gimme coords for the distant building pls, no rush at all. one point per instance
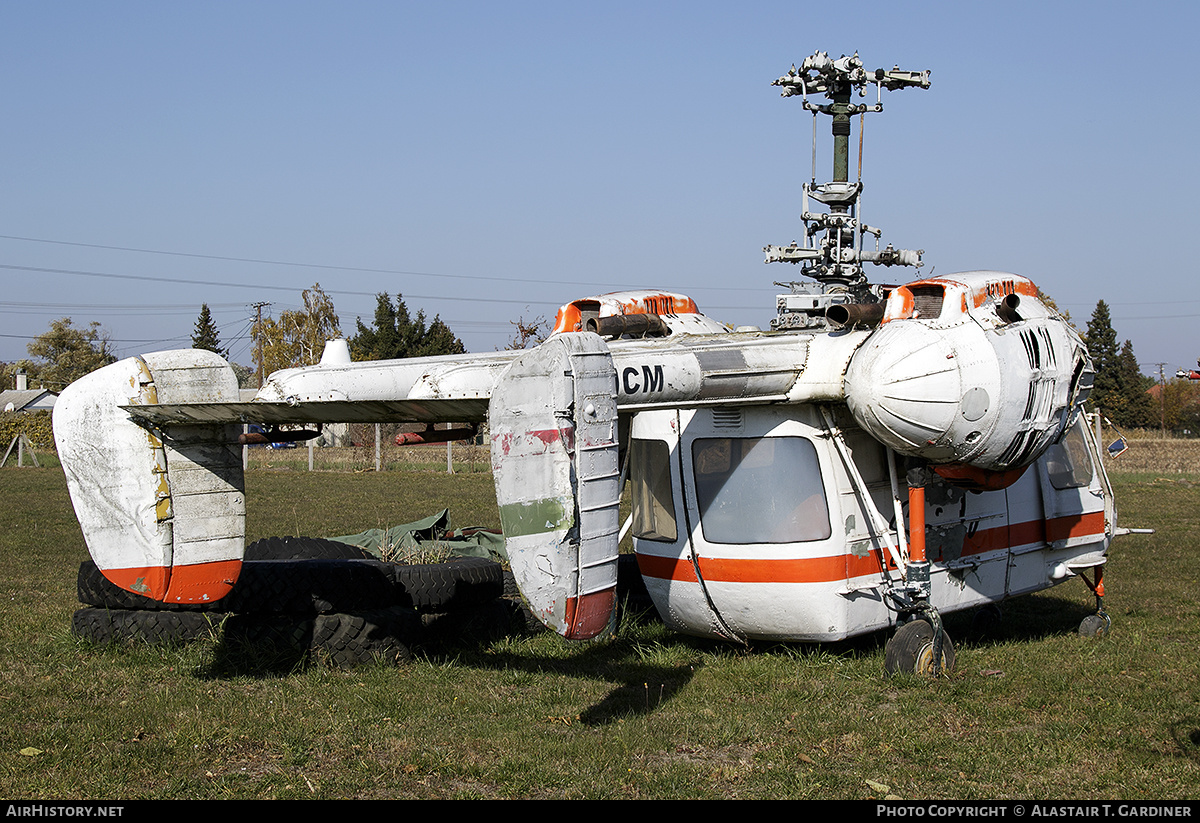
(25, 399)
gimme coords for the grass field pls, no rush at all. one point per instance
(1032, 711)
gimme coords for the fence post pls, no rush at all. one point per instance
(20, 442)
(376, 447)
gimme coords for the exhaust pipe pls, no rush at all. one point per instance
(846, 315)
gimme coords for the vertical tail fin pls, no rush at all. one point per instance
(162, 510)
(554, 456)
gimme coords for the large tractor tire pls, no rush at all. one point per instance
(456, 585)
(344, 639)
(304, 548)
(132, 625)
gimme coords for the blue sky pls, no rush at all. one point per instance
(495, 160)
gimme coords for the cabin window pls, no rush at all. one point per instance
(653, 499)
(759, 490)
(1068, 462)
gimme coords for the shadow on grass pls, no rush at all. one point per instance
(478, 639)
(641, 686)
(1027, 618)
(1186, 734)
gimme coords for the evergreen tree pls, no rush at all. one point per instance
(205, 335)
(1138, 408)
(1120, 389)
(395, 334)
(1101, 341)
(438, 339)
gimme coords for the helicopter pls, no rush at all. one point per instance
(880, 456)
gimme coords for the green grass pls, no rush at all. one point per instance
(1033, 710)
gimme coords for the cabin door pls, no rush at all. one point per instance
(1074, 491)
(661, 527)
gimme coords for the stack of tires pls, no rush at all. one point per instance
(306, 598)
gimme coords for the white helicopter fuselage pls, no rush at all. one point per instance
(767, 468)
(752, 523)
(881, 456)
(786, 520)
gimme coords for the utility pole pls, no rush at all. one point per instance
(1162, 400)
(258, 307)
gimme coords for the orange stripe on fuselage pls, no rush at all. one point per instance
(1075, 525)
(847, 566)
(666, 568)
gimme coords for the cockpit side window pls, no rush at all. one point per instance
(653, 500)
(759, 490)
(1068, 462)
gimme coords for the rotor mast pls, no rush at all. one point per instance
(832, 252)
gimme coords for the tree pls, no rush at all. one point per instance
(1137, 407)
(1101, 341)
(1119, 388)
(395, 334)
(298, 337)
(528, 331)
(65, 353)
(205, 335)
(1050, 304)
(1180, 405)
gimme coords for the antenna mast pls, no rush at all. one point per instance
(836, 257)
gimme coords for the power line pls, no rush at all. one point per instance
(291, 289)
(256, 286)
(327, 267)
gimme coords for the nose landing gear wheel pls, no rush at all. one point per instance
(911, 651)
(1094, 625)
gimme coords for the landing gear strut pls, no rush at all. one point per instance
(920, 646)
(1098, 624)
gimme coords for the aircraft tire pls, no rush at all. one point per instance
(1094, 625)
(304, 586)
(910, 651)
(480, 626)
(344, 639)
(128, 625)
(986, 620)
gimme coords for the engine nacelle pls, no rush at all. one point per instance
(970, 368)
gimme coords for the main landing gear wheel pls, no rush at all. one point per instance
(910, 651)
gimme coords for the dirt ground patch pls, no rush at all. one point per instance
(1171, 456)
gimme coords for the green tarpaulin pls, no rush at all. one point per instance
(428, 539)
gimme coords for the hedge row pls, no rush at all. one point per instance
(34, 425)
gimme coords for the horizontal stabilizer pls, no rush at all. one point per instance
(314, 411)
